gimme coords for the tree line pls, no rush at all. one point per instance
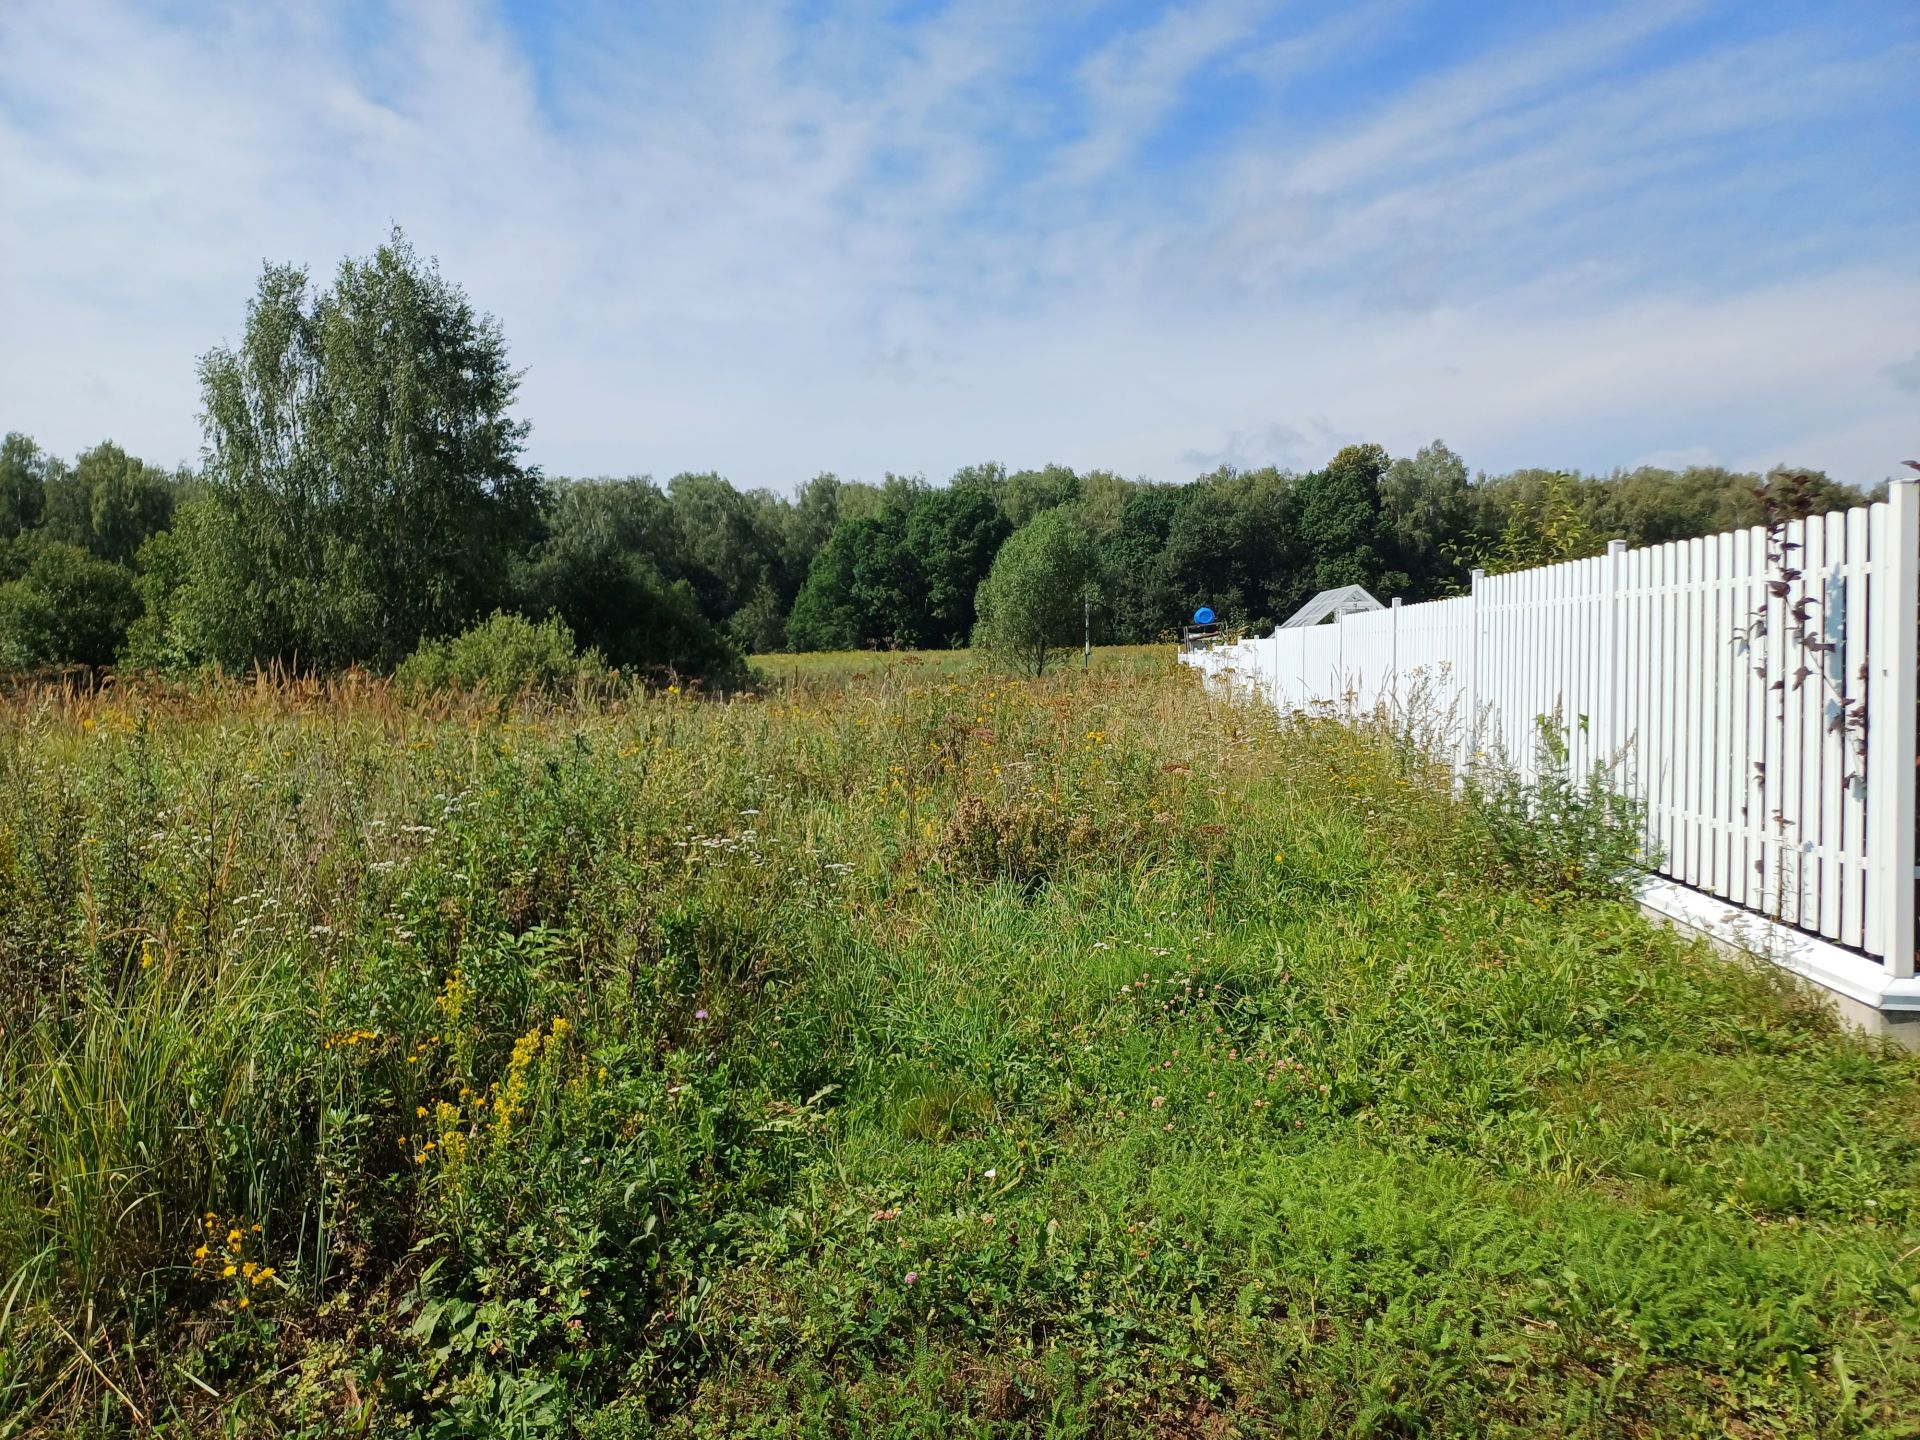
(363, 490)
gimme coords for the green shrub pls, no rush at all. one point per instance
(1557, 831)
(61, 606)
(503, 655)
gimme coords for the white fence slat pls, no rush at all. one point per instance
(1660, 679)
(1714, 667)
(1846, 845)
(1674, 740)
(1665, 720)
(1596, 611)
(1782, 798)
(1753, 801)
(1853, 804)
(1875, 941)
(1830, 771)
(1687, 710)
(1797, 832)
(1695, 665)
(1739, 717)
(1709, 820)
(1739, 682)
(1639, 669)
(1680, 701)
(1639, 724)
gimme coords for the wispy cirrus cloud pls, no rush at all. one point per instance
(1131, 84)
(774, 240)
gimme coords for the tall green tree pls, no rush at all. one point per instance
(1340, 521)
(23, 484)
(952, 537)
(1424, 504)
(1141, 594)
(730, 542)
(1025, 493)
(1235, 545)
(1650, 506)
(116, 501)
(864, 588)
(598, 569)
(990, 476)
(363, 465)
(1102, 498)
(825, 614)
(1547, 522)
(1033, 603)
(162, 636)
(883, 590)
(809, 522)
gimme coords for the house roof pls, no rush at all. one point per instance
(1331, 604)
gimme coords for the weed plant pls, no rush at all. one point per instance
(914, 1053)
(1557, 830)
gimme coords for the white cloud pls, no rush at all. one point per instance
(1679, 459)
(729, 241)
(1429, 120)
(1133, 81)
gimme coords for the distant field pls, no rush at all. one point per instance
(839, 667)
(901, 1050)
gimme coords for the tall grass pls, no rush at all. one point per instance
(904, 1050)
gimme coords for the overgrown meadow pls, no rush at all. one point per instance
(901, 1051)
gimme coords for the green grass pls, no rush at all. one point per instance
(839, 668)
(903, 1051)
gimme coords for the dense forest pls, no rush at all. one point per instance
(363, 490)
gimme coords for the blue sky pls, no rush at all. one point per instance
(773, 240)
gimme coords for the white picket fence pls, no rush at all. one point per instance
(1780, 801)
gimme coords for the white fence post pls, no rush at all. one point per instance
(1393, 658)
(1606, 724)
(1891, 737)
(1343, 692)
(1473, 666)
